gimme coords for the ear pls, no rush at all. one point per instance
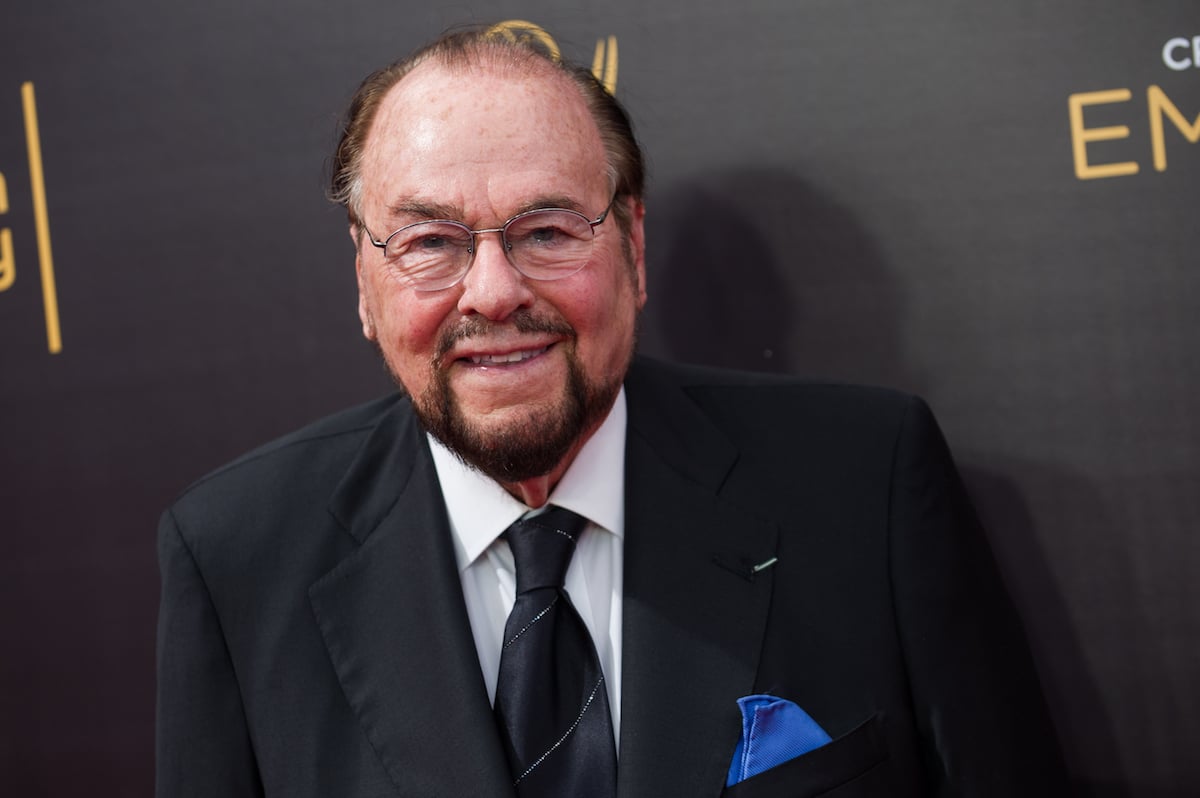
(637, 246)
(364, 304)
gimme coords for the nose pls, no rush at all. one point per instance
(492, 287)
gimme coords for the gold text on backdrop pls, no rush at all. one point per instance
(1158, 105)
(8, 270)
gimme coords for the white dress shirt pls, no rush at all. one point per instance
(480, 510)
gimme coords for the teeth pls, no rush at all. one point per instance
(511, 357)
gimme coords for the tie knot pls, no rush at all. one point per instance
(542, 547)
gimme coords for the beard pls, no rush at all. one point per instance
(535, 444)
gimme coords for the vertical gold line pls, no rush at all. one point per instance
(610, 66)
(598, 61)
(37, 180)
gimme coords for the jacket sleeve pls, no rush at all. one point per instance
(203, 747)
(979, 706)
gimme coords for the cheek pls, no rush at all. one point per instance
(606, 316)
(408, 324)
(417, 334)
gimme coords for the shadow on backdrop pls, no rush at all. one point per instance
(758, 270)
(1085, 727)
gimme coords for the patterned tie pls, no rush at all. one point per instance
(551, 699)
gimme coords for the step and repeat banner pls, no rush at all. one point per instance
(993, 204)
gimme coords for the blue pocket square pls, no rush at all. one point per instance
(774, 730)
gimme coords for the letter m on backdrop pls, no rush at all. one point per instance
(1160, 105)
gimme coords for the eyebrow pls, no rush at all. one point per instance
(550, 201)
(425, 209)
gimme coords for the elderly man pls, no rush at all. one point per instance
(549, 569)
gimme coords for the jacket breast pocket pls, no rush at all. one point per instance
(847, 767)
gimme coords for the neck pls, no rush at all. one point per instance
(535, 492)
(532, 492)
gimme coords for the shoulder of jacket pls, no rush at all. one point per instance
(706, 380)
(340, 433)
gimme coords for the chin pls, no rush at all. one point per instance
(519, 442)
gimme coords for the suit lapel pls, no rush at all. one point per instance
(694, 611)
(394, 622)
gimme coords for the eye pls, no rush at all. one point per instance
(548, 230)
(430, 242)
(545, 235)
(428, 239)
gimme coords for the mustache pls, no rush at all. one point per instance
(477, 326)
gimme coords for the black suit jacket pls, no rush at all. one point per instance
(313, 637)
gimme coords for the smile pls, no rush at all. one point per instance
(510, 357)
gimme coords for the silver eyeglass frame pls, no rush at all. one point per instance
(503, 231)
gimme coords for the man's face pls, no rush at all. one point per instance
(510, 372)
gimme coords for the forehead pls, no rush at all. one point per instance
(480, 135)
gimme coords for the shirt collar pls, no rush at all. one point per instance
(593, 486)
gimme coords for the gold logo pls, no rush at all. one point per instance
(37, 180)
(604, 59)
(515, 30)
(604, 63)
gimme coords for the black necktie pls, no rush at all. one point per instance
(551, 699)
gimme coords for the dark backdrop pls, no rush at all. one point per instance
(873, 191)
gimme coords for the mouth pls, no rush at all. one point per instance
(506, 358)
(476, 342)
